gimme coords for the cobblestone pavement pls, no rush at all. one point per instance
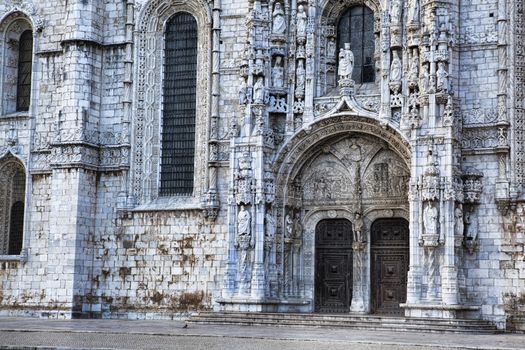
(21, 333)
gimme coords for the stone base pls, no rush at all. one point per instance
(516, 324)
(440, 311)
(240, 304)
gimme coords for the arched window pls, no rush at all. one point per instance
(12, 200)
(179, 106)
(16, 57)
(356, 26)
(25, 62)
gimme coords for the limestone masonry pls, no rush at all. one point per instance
(160, 157)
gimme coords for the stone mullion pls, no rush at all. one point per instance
(127, 104)
(211, 202)
(502, 183)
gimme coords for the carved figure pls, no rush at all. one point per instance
(358, 227)
(425, 80)
(243, 227)
(442, 77)
(298, 227)
(279, 21)
(301, 21)
(413, 70)
(258, 90)
(395, 12)
(471, 223)
(413, 11)
(395, 68)
(300, 73)
(269, 232)
(458, 220)
(288, 227)
(430, 219)
(242, 91)
(330, 49)
(346, 62)
(278, 73)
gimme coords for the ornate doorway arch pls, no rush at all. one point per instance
(343, 167)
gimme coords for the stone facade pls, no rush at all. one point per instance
(285, 138)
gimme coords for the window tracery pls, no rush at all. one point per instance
(12, 199)
(17, 63)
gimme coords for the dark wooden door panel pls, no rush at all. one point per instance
(333, 282)
(389, 265)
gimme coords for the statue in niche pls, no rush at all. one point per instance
(520, 218)
(413, 11)
(395, 12)
(288, 227)
(396, 68)
(258, 91)
(244, 241)
(346, 62)
(243, 227)
(278, 73)
(269, 235)
(358, 227)
(279, 21)
(300, 73)
(458, 221)
(430, 219)
(425, 80)
(269, 232)
(298, 227)
(442, 77)
(471, 227)
(243, 97)
(413, 70)
(330, 49)
(301, 21)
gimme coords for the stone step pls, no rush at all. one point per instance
(372, 322)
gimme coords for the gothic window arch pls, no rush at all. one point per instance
(16, 48)
(179, 102)
(356, 27)
(165, 136)
(12, 203)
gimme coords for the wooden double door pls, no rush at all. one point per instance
(390, 261)
(333, 268)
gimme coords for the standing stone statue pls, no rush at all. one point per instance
(300, 73)
(279, 21)
(243, 98)
(442, 77)
(244, 243)
(346, 62)
(425, 80)
(278, 73)
(358, 227)
(258, 91)
(396, 68)
(288, 227)
(413, 70)
(301, 21)
(413, 11)
(395, 12)
(244, 228)
(330, 49)
(298, 227)
(458, 221)
(430, 219)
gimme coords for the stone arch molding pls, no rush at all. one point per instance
(331, 10)
(343, 119)
(24, 8)
(146, 124)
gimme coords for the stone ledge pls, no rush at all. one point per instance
(438, 310)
